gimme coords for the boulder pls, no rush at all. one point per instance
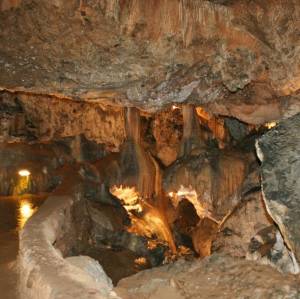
(217, 276)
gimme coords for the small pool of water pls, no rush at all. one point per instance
(14, 212)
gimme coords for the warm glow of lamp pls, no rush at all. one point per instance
(23, 182)
(24, 172)
(26, 210)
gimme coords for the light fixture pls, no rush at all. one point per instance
(24, 173)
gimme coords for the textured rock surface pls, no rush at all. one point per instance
(214, 277)
(268, 248)
(215, 175)
(242, 226)
(92, 268)
(151, 53)
(279, 151)
(45, 118)
(167, 130)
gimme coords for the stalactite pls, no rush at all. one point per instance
(141, 178)
(135, 160)
(190, 130)
(133, 125)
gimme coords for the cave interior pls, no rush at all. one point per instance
(175, 126)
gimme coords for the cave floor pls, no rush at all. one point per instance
(8, 264)
(14, 212)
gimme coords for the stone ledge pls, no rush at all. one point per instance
(44, 273)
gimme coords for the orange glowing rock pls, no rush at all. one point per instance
(270, 125)
(141, 261)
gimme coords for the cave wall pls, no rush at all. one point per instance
(54, 117)
(46, 118)
(9, 4)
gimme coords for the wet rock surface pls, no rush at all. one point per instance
(279, 151)
(226, 180)
(99, 230)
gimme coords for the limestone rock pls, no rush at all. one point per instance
(45, 118)
(167, 131)
(279, 151)
(245, 222)
(268, 247)
(216, 177)
(217, 276)
(54, 118)
(92, 268)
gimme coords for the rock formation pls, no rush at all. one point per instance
(279, 152)
(216, 277)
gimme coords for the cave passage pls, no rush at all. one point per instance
(149, 149)
(148, 208)
(182, 184)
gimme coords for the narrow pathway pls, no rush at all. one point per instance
(14, 212)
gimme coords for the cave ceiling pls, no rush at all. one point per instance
(236, 58)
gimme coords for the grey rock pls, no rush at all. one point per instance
(279, 151)
(217, 276)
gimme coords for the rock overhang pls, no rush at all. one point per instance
(150, 54)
